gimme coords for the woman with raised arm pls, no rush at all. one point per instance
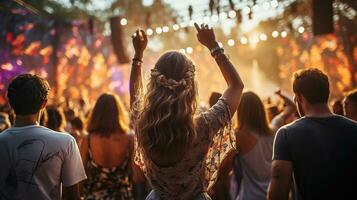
(174, 144)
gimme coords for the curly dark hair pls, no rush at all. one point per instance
(313, 84)
(26, 93)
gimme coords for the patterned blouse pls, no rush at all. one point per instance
(197, 170)
(107, 183)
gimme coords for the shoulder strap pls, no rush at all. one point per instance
(237, 170)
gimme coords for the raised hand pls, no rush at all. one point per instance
(278, 92)
(205, 36)
(140, 41)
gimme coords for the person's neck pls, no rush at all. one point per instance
(318, 110)
(26, 120)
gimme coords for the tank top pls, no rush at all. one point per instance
(256, 169)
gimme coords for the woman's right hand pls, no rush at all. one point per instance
(205, 36)
(140, 41)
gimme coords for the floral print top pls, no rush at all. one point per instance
(197, 170)
(107, 183)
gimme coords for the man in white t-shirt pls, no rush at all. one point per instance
(35, 162)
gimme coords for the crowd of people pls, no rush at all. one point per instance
(166, 146)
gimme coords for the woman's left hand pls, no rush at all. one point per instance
(140, 42)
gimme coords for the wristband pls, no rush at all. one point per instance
(137, 61)
(216, 51)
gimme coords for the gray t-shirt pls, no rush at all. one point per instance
(35, 161)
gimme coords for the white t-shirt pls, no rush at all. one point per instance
(35, 161)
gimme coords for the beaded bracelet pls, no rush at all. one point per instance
(137, 61)
(215, 49)
(217, 53)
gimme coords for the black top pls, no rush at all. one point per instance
(323, 152)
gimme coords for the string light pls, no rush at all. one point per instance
(183, 25)
(123, 21)
(275, 34)
(255, 8)
(230, 42)
(165, 29)
(244, 40)
(253, 40)
(176, 27)
(220, 44)
(232, 14)
(206, 19)
(284, 34)
(158, 30)
(246, 10)
(223, 16)
(263, 37)
(301, 29)
(149, 31)
(189, 50)
(274, 3)
(214, 18)
(182, 51)
(266, 5)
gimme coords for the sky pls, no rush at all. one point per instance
(265, 9)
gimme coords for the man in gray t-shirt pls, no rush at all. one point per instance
(35, 161)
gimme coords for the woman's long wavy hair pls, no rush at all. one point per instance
(165, 125)
(108, 116)
(252, 115)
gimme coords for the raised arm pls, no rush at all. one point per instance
(235, 85)
(289, 109)
(140, 41)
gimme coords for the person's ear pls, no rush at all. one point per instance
(44, 104)
(299, 98)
